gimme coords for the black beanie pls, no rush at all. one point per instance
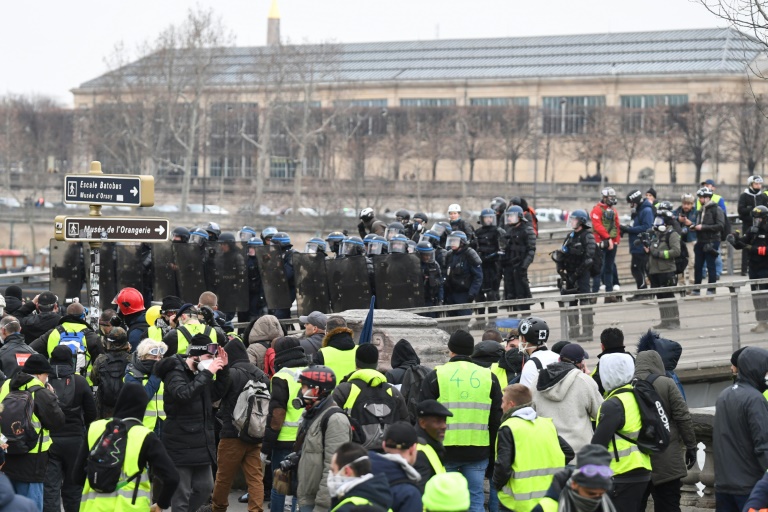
(461, 343)
(367, 356)
(61, 355)
(285, 343)
(735, 357)
(13, 291)
(131, 401)
(197, 345)
(651, 191)
(593, 455)
(557, 347)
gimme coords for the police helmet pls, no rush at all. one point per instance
(411, 246)
(487, 213)
(282, 239)
(315, 245)
(456, 240)
(227, 237)
(246, 233)
(443, 227)
(398, 244)
(267, 233)
(498, 204)
(578, 218)
(760, 212)
(352, 246)
(367, 239)
(181, 233)
(515, 214)
(335, 236)
(255, 241)
(376, 245)
(394, 228)
(403, 215)
(198, 236)
(534, 330)
(213, 230)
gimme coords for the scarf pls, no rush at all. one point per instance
(293, 357)
(571, 501)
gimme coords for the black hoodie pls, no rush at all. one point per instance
(375, 490)
(132, 403)
(241, 370)
(82, 410)
(403, 357)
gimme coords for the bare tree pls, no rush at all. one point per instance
(433, 126)
(594, 142)
(627, 136)
(749, 129)
(699, 125)
(665, 139)
(397, 146)
(515, 137)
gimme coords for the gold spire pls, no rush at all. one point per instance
(274, 12)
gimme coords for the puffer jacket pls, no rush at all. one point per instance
(260, 336)
(403, 357)
(712, 220)
(748, 200)
(339, 338)
(670, 464)
(313, 487)
(664, 249)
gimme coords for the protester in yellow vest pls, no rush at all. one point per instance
(25, 466)
(143, 450)
(73, 323)
(152, 316)
(620, 414)
(351, 483)
(185, 325)
(430, 460)
(584, 489)
(473, 395)
(338, 350)
(446, 492)
(139, 370)
(528, 452)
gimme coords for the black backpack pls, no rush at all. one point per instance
(411, 389)
(654, 436)
(65, 392)
(111, 372)
(16, 421)
(356, 430)
(681, 262)
(105, 461)
(373, 410)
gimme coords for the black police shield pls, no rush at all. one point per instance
(311, 283)
(189, 260)
(107, 274)
(67, 263)
(348, 283)
(130, 266)
(165, 280)
(272, 270)
(398, 281)
(231, 277)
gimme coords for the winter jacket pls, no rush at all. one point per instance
(687, 234)
(520, 243)
(758, 498)
(754, 241)
(260, 336)
(12, 304)
(313, 343)
(664, 249)
(643, 222)
(748, 200)
(560, 482)
(571, 398)
(373, 488)
(136, 326)
(13, 351)
(403, 481)
(79, 413)
(712, 220)
(603, 218)
(403, 357)
(34, 323)
(422, 465)
(339, 338)
(188, 402)
(313, 488)
(93, 344)
(741, 426)
(12, 502)
(670, 464)
(373, 388)
(464, 272)
(241, 371)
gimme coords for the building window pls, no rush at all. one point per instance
(650, 113)
(428, 102)
(361, 103)
(569, 115)
(499, 102)
(282, 167)
(230, 154)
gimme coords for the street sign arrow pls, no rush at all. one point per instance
(110, 229)
(109, 189)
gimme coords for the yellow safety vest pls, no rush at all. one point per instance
(155, 407)
(155, 333)
(55, 337)
(122, 500)
(290, 428)
(537, 458)
(715, 199)
(193, 329)
(44, 437)
(342, 362)
(629, 455)
(357, 501)
(465, 390)
(500, 374)
(432, 457)
(548, 504)
(371, 377)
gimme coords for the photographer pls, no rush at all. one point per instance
(710, 222)
(663, 247)
(642, 221)
(754, 243)
(186, 324)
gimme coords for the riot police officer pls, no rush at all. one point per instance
(464, 273)
(459, 224)
(434, 240)
(267, 234)
(755, 243)
(283, 240)
(353, 246)
(433, 276)
(246, 233)
(180, 235)
(256, 302)
(491, 241)
(200, 237)
(213, 230)
(316, 246)
(518, 256)
(334, 240)
(398, 244)
(574, 263)
(394, 228)
(499, 205)
(663, 246)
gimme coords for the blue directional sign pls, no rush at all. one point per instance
(109, 189)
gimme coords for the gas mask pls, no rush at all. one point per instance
(659, 225)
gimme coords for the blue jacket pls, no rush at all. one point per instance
(137, 328)
(10, 501)
(403, 482)
(759, 497)
(642, 223)
(686, 234)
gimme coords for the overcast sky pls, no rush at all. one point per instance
(48, 47)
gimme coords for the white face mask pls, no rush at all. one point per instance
(766, 379)
(337, 481)
(204, 364)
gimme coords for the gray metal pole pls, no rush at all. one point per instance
(735, 334)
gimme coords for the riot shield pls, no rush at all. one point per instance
(311, 283)
(348, 283)
(231, 277)
(189, 260)
(165, 276)
(129, 266)
(67, 263)
(398, 281)
(273, 278)
(107, 274)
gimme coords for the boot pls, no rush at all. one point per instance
(760, 327)
(612, 300)
(243, 498)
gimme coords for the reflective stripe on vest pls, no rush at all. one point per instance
(155, 333)
(290, 427)
(44, 437)
(366, 375)
(465, 389)
(432, 457)
(193, 329)
(155, 407)
(537, 458)
(630, 456)
(122, 499)
(500, 374)
(342, 362)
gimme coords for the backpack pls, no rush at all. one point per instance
(654, 434)
(251, 409)
(356, 430)
(411, 389)
(16, 421)
(111, 372)
(75, 341)
(65, 393)
(681, 262)
(373, 410)
(597, 263)
(106, 459)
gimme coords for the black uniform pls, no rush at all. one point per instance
(256, 301)
(433, 285)
(462, 225)
(491, 242)
(576, 255)
(748, 201)
(518, 256)
(755, 243)
(464, 276)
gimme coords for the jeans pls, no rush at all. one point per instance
(233, 454)
(702, 258)
(493, 499)
(277, 500)
(195, 486)
(725, 502)
(609, 264)
(33, 491)
(59, 486)
(474, 472)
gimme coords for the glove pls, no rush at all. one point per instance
(264, 458)
(690, 457)
(623, 229)
(361, 229)
(730, 238)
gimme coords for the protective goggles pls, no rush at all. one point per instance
(156, 351)
(593, 470)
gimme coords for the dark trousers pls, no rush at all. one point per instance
(666, 496)
(667, 303)
(628, 497)
(587, 317)
(608, 273)
(517, 286)
(700, 259)
(59, 487)
(640, 269)
(760, 300)
(489, 291)
(457, 298)
(725, 502)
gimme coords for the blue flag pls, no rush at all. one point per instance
(367, 333)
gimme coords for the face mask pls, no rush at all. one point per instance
(337, 481)
(204, 364)
(581, 503)
(149, 364)
(765, 378)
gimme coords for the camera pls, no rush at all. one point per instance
(604, 245)
(643, 239)
(290, 462)
(710, 249)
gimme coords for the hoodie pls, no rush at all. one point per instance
(12, 302)
(241, 371)
(486, 353)
(373, 488)
(670, 352)
(740, 433)
(748, 200)
(403, 357)
(571, 398)
(264, 330)
(403, 480)
(132, 403)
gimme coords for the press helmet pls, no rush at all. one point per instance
(318, 376)
(609, 196)
(534, 330)
(129, 301)
(421, 216)
(704, 192)
(635, 197)
(455, 207)
(366, 214)
(665, 206)
(227, 237)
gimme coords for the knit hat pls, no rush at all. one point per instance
(593, 467)
(171, 303)
(446, 492)
(400, 436)
(461, 343)
(735, 357)
(367, 356)
(117, 337)
(557, 347)
(13, 291)
(651, 191)
(46, 299)
(288, 352)
(198, 345)
(37, 364)
(61, 355)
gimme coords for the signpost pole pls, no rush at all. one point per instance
(95, 249)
